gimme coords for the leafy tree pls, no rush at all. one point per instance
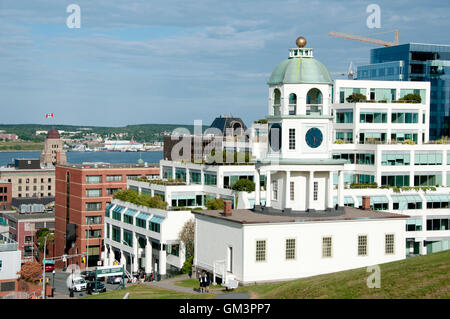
(215, 203)
(411, 98)
(31, 271)
(186, 236)
(244, 185)
(356, 97)
(41, 234)
(187, 266)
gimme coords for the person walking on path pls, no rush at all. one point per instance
(207, 282)
(200, 280)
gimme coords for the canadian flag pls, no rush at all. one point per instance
(48, 115)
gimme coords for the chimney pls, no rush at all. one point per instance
(365, 203)
(58, 157)
(227, 208)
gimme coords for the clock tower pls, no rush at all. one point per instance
(299, 166)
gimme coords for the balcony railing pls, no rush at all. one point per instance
(7, 244)
(314, 109)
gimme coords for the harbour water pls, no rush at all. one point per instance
(80, 157)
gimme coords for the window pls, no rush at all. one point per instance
(362, 245)
(395, 159)
(91, 220)
(20, 181)
(49, 180)
(372, 117)
(93, 233)
(93, 206)
(128, 219)
(154, 227)
(292, 138)
(195, 177)
(428, 180)
(292, 197)
(113, 178)
(326, 247)
(133, 176)
(111, 191)
(128, 237)
(316, 190)
(93, 192)
(116, 234)
(275, 190)
(210, 179)
(290, 249)
(389, 244)
(395, 180)
(344, 116)
(140, 222)
(107, 230)
(93, 179)
(260, 250)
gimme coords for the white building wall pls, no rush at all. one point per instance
(309, 260)
(11, 263)
(212, 238)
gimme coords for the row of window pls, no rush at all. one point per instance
(327, 247)
(97, 192)
(34, 195)
(97, 179)
(27, 188)
(127, 235)
(379, 117)
(358, 158)
(27, 180)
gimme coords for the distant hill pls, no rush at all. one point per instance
(139, 132)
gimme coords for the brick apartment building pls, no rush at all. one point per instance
(5, 195)
(28, 179)
(23, 226)
(83, 192)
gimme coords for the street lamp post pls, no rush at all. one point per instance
(43, 267)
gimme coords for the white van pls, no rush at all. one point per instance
(78, 284)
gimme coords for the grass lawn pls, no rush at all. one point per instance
(138, 291)
(417, 277)
(21, 146)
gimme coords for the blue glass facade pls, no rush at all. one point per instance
(416, 62)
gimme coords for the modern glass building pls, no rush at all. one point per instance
(416, 62)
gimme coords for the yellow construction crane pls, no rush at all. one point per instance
(366, 39)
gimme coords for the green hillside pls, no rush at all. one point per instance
(418, 277)
(139, 132)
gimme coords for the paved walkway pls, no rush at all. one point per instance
(170, 285)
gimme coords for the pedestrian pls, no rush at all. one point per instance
(200, 281)
(207, 282)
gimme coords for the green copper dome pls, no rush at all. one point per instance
(300, 70)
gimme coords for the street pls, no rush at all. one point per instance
(61, 289)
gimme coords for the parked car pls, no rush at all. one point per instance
(49, 267)
(78, 284)
(91, 287)
(88, 275)
(114, 280)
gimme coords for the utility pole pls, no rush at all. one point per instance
(87, 245)
(43, 268)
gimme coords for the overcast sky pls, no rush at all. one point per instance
(141, 61)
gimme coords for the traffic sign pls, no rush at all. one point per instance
(109, 271)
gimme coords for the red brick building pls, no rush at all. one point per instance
(23, 227)
(5, 195)
(82, 193)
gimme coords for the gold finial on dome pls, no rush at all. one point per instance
(301, 42)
